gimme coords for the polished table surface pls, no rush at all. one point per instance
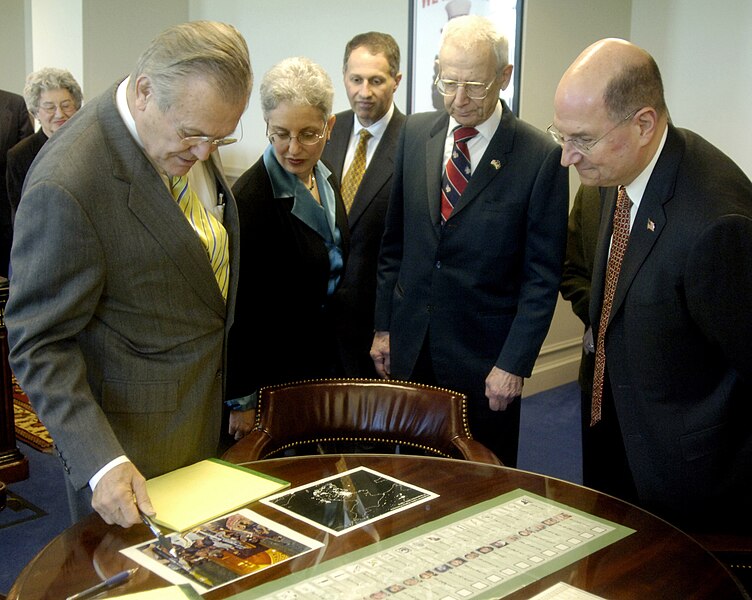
(657, 561)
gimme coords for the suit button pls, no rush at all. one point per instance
(438, 264)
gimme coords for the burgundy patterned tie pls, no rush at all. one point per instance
(457, 171)
(619, 242)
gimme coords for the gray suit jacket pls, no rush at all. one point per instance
(116, 324)
(678, 353)
(356, 294)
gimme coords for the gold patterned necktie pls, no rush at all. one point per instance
(209, 229)
(351, 180)
(619, 241)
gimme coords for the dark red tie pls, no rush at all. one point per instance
(457, 171)
(619, 241)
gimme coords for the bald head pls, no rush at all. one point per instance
(615, 75)
(609, 113)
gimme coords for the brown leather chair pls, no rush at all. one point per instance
(327, 415)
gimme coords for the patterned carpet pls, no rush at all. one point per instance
(29, 428)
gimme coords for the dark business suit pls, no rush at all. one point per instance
(576, 280)
(357, 292)
(285, 319)
(20, 158)
(678, 352)
(15, 125)
(116, 323)
(481, 289)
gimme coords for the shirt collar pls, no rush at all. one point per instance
(378, 128)
(305, 208)
(487, 128)
(636, 189)
(121, 100)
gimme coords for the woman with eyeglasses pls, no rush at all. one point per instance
(52, 96)
(293, 241)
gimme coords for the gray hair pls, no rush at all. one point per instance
(197, 49)
(301, 82)
(469, 31)
(48, 79)
(634, 86)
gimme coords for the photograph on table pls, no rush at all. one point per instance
(222, 551)
(348, 500)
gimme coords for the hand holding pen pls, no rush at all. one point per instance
(119, 494)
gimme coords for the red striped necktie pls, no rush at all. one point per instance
(457, 171)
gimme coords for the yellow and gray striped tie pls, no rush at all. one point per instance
(211, 232)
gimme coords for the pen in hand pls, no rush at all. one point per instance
(162, 539)
(107, 584)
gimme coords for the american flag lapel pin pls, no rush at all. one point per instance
(651, 225)
(496, 164)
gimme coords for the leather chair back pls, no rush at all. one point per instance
(333, 412)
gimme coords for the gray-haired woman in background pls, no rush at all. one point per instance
(52, 96)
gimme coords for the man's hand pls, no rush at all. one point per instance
(502, 388)
(119, 495)
(588, 344)
(380, 354)
(241, 422)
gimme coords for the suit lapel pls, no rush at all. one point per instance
(435, 166)
(379, 170)
(153, 205)
(651, 216)
(335, 153)
(493, 161)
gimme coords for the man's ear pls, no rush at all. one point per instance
(647, 120)
(506, 76)
(144, 92)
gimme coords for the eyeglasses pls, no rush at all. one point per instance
(306, 138)
(474, 89)
(66, 106)
(580, 145)
(197, 140)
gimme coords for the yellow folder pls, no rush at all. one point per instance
(206, 490)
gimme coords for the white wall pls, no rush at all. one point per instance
(57, 36)
(704, 51)
(316, 29)
(13, 48)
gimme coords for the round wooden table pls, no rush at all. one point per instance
(657, 561)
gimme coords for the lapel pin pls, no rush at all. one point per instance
(651, 225)
(496, 164)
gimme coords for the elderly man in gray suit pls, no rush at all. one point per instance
(125, 270)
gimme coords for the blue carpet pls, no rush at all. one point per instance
(550, 436)
(38, 508)
(36, 512)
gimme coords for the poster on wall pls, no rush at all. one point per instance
(427, 20)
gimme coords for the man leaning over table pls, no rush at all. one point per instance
(124, 271)
(670, 411)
